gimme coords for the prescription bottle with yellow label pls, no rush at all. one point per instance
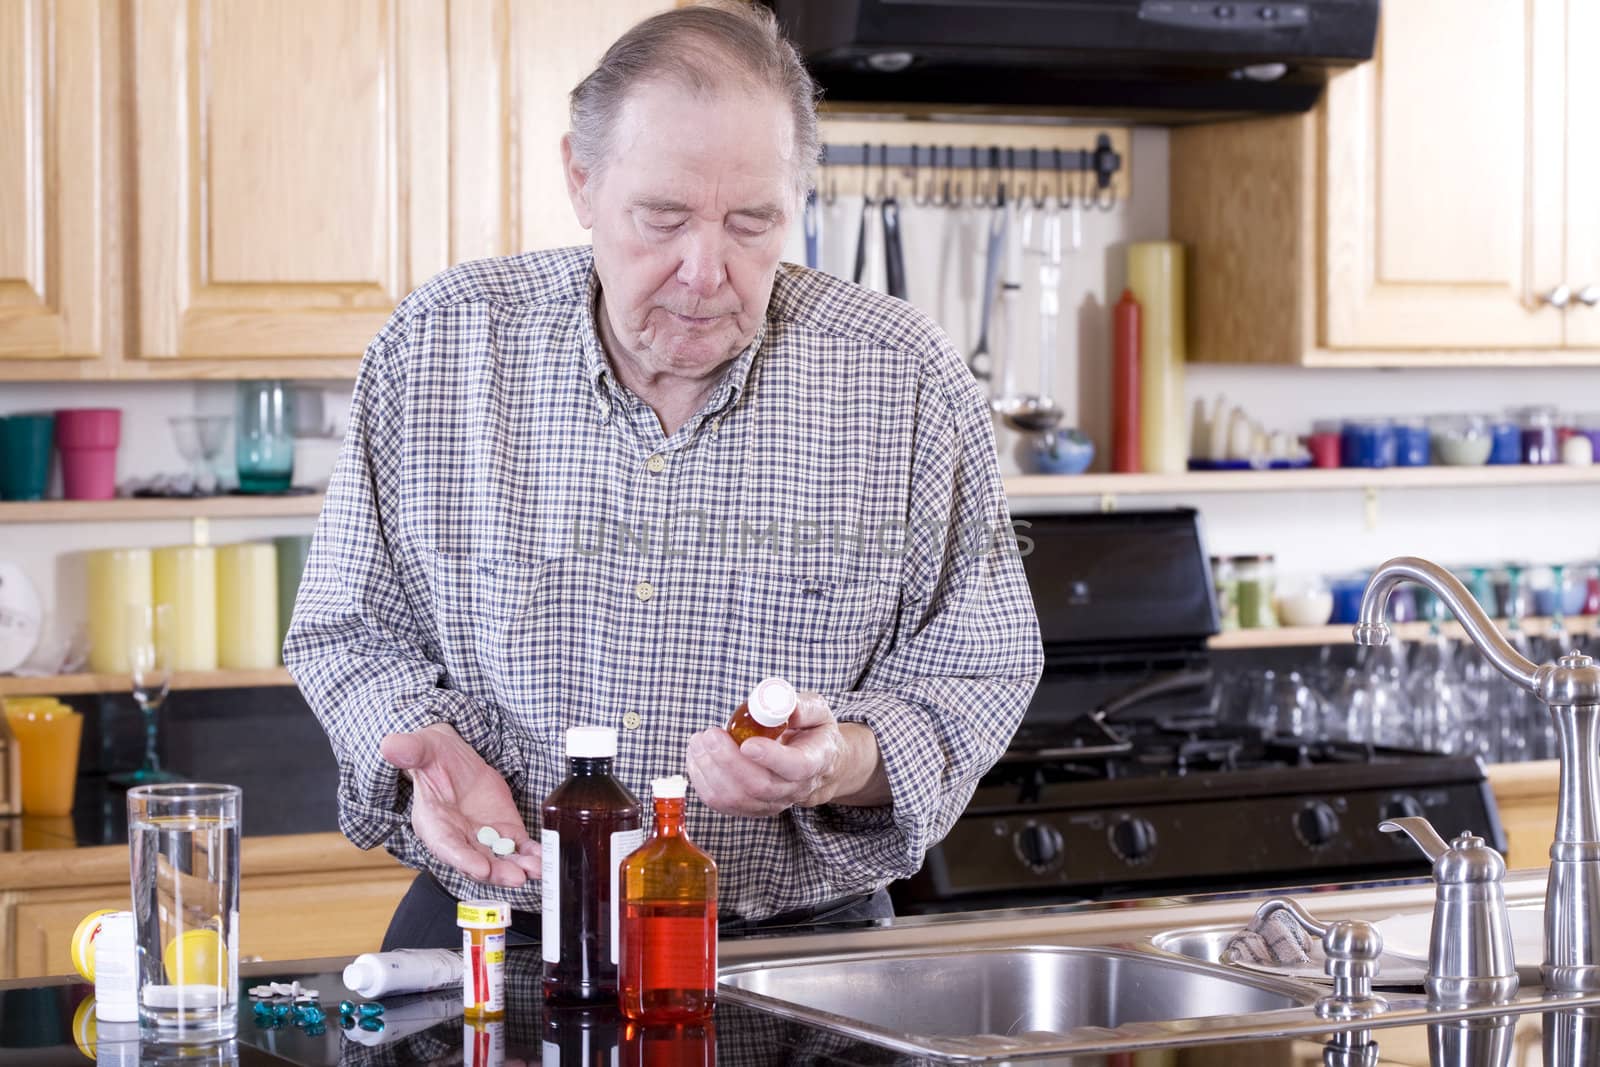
(483, 955)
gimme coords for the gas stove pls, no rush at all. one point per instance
(1124, 781)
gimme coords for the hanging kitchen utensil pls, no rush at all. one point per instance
(980, 361)
(813, 226)
(1029, 413)
(1039, 412)
(894, 259)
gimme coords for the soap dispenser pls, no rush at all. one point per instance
(1471, 959)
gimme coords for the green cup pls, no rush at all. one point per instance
(25, 444)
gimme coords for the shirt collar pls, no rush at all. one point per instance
(597, 371)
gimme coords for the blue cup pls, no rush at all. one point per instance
(1412, 445)
(1347, 594)
(1507, 448)
(1367, 443)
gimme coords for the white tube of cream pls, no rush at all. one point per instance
(406, 970)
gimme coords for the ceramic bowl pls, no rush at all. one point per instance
(1058, 452)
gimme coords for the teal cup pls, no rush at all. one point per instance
(25, 444)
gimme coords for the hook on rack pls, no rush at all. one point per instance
(952, 185)
(917, 196)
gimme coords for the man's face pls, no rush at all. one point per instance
(688, 219)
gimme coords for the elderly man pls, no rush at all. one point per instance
(619, 485)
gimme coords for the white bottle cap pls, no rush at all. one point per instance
(671, 788)
(361, 976)
(772, 701)
(591, 742)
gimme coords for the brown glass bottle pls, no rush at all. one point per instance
(590, 823)
(669, 920)
(766, 713)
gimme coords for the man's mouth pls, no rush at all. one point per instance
(695, 320)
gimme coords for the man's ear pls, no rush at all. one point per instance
(578, 184)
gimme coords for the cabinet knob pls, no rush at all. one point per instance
(1589, 295)
(1559, 297)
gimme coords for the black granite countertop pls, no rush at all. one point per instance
(51, 1023)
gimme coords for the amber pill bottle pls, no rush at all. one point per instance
(766, 713)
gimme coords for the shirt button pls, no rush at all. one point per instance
(656, 463)
(644, 590)
(631, 720)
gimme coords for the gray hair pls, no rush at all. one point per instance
(698, 47)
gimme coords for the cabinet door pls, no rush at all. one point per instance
(1443, 202)
(293, 168)
(1583, 175)
(542, 74)
(53, 246)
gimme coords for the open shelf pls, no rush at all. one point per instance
(1311, 480)
(74, 684)
(1340, 634)
(145, 509)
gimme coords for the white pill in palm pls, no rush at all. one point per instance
(488, 835)
(504, 847)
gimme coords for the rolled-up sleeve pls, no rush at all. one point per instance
(360, 646)
(949, 692)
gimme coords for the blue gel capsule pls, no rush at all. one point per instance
(371, 1010)
(261, 1007)
(280, 1011)
(347, 1022)
(372, 1023)
(309, 1013)
(346, 1008)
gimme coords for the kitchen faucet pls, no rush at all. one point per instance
(1571, 688)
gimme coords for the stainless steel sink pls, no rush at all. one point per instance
(977, 1003)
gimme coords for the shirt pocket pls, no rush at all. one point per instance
(493, 612)
(818, 633)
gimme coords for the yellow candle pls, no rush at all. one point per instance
(186, 578)
(118, 577)
(247, 606)
(1155, 274)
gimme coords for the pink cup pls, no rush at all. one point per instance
(87, 439)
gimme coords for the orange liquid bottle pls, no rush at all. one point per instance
(766, 713)
(670, 1044)
(590, 822)
(669, 920)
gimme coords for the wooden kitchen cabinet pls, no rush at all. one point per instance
(273, 178)
(1420, 215)
(301, 896)
(57, 72)
(301, 168)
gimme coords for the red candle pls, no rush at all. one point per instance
(1125, 385)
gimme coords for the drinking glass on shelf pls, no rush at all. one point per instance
(150, 642)
(199, 439)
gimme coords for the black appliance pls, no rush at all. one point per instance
(1124, 781)
(1154, 60)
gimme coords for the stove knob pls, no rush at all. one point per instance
(1133, 839)
(1039, 846)
(1404, 806)
(1316, 824)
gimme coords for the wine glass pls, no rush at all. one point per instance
(199, 439)
(150, 637)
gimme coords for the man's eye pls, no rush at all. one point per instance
(755, 229)
(664, 227)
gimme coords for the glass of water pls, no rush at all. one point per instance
(184, 839)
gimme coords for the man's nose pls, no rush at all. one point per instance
(703, 268)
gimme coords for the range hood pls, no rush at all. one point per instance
(1168, 61)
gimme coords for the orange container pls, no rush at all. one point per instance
(47, 731)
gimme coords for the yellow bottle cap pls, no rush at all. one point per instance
(82, 948)
(483, 914)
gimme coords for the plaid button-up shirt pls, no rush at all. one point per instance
(511, 545)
